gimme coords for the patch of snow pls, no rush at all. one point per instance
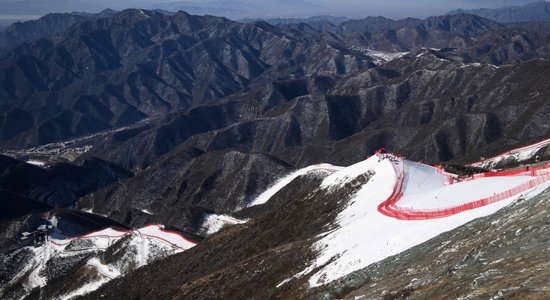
(380, 56)
(35, 279)
(145, 211)
(85, 289)
(283, 282)
(281, 183)
(476, 64)
(173, 238)
(213, 223)
(53, 221)
(91, 211)
(104, 270)
(36, 163)
(386, 56)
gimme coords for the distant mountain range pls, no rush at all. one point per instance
(315, 19)
(536, 11)
(49, 24)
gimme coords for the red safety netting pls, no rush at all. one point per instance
(391, 209)
(95, 234)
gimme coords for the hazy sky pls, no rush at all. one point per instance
(261, 8)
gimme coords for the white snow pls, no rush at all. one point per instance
(91, 211)
(36, 162)
(104, 270)
(365, 236)
(386, 56)
(379, 56)
(281, 183)
(425, 189)
(85, 289)
(107, 232)
(53, 221)
(172, 238)
(213, 223)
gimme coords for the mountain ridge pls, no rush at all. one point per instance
(535, 11)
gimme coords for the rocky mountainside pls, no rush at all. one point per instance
(140, 64)
(185, 185)
(455, 110)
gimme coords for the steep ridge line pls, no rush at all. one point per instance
(284, 181)
(108, 233)
(391, 209)
(514, 151)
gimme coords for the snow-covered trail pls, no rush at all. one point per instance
(398, 208)
(421, 192)
(281, 183)
(103, 238)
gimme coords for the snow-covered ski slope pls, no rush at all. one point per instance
(423, 192)
(405, 204)
(146, 244)
(518, 155)
(108, 235)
